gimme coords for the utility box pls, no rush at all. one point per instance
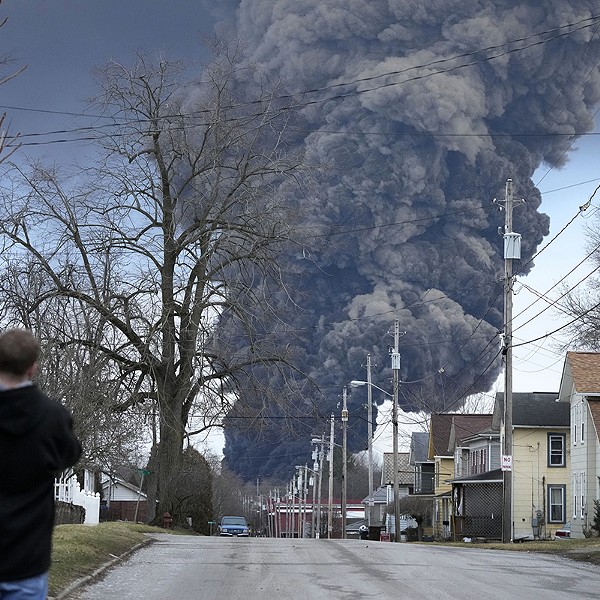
(512, 246)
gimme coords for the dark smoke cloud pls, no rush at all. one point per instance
(409, 172)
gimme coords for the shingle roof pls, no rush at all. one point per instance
(594, 404)
(406, 474)
(585, 368)
(447, 428)
(495, 475)
(534, 409)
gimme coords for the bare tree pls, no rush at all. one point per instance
(164, 240)
(8, 142)
(81, 376)
(417, 507)
(580, 303)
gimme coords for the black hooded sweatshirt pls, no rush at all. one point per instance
(36, 443)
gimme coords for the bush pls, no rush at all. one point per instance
(596, 522)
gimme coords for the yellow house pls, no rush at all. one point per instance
(445, 433)
(540, 470)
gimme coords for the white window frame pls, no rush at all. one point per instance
(575, 482)
(563, 454)
(563, 507)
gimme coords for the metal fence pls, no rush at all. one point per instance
(481, 511)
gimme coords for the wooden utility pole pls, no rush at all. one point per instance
(345, 461)
(330, 498)
(370, 438)
(396, 371)
(512, 250)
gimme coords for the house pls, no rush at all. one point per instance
(477, 487)
(424, 468)
(122, 500)
(580, 389)
(384, 494)
(70, 494)
(540, 469)
(445, 433)
(477, 506)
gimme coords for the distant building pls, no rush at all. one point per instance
(122, 501)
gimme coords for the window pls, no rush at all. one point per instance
(556, 503)
(582, 507)
(556, 450)
(575, 484)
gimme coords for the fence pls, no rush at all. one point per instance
(68, 490)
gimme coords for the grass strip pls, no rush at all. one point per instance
(80, 550)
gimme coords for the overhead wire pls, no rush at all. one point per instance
(572, 28)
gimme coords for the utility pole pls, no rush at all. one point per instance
(512, 250)
(345, 461)
(396, 372)
(313, 528)
(320, 480)
(370, 440)
(330, 459)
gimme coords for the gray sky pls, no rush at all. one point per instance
(62, 41)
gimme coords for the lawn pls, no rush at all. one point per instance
(587, 550)
(79, 550)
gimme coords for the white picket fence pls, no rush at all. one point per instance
(67, 489)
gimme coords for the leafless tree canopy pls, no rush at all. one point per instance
(133, 269)
(581, 302)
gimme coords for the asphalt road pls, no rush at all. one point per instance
(186, 567)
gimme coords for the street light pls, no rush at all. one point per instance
(302, 493)
(344, 462)
(395, 356)
(320, 443)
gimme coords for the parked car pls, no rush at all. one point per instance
(563, 533)
(234, 526)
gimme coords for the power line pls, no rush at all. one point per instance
(573, 27)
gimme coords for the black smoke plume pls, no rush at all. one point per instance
(417, 113)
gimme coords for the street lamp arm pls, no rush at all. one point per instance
(356, 383)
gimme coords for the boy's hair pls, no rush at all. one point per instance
(19, 350)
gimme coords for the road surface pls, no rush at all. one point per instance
(207, 568)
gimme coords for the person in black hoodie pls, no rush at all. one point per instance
(36, 443)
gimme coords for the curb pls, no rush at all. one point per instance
(64, 594)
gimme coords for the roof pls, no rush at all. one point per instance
(594, 404)
(419, 445)
(449, 428)
(533, 409)
(406, 474)
(116, 481)
(495, 475)
(380, 495)
(585, 371)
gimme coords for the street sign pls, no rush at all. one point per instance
(507, 462)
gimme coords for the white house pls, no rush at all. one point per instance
(122, 500)
(580, 385)
(67, 489)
